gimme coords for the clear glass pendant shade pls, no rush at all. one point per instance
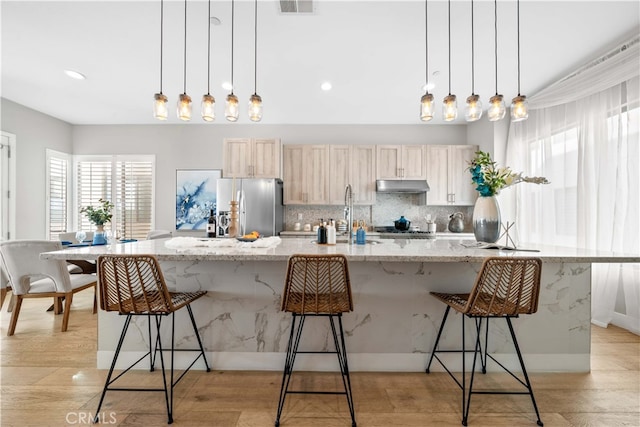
(473, 110)
(497, 109)
(160, 110)
(184, 107)
(426, 107)
(519, 108)
(449, 108)
(231, 109)
(208, 108)
(255, 108)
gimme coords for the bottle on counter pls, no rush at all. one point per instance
(211, 225)
(331, 232)
(322, 233)
(361, 235)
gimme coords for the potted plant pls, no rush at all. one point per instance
(99, 216)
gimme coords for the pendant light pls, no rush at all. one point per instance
(208, 105)
(160, 110)
(231, 109)
(184, 101)
(497, 109)
(426, 102)
(519, 104)
(473, 110)
(449, 105)
(255, 102)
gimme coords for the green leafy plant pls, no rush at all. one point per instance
(101, 214)
(490, 179)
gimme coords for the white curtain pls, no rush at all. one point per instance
(589, 149)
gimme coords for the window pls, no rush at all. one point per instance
(127, 181)
(57, 190)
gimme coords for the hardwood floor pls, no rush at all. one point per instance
(48, 378)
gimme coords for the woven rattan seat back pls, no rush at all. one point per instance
(505, 287)
(317, 284)
(133, 284)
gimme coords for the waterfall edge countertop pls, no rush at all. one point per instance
(387, 250)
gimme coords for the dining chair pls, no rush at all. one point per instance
(318, 286)
(158, 234)
(32, 277)
(133, 285)
(505, 288)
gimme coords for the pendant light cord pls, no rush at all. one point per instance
(255, 49)
(449, 20)
(185, 46)
(518, 11)
(473, 72)
(209, 52)
(426, 44)
(495, 33)
(161, 39)
(232, 21)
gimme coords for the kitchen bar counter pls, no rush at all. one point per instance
(394, 322)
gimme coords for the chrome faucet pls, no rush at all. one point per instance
(348, 211)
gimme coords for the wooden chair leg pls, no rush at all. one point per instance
(14, 315)
(95, 300)
(67, 309)
(3, 295)
(57, 305)
(12, 303)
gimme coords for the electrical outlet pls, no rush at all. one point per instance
(299, 216)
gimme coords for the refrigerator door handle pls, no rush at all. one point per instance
(243, 213)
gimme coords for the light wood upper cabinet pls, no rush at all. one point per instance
(252, 158)
(355, 165)
(447, 175)
(401, 162)
(306, 169)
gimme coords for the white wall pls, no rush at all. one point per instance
(199, 146)
(35, 132)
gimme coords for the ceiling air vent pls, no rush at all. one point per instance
(296, 6)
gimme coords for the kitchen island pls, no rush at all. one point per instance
(394, 322)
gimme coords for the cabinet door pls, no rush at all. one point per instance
(237, 157)
(460, 185)
(363, 174)
(389, 161)
(438, 175)
(339, 172)
(265, 162)
(413, 162)
(316, 171)
(293, 174)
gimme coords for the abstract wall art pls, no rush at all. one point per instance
(195, 197)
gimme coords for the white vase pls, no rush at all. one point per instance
(486, 219)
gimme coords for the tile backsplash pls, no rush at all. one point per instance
(388, 208)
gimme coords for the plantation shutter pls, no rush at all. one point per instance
(126, 181)
(57, 194)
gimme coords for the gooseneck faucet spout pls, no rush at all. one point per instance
(348, 212)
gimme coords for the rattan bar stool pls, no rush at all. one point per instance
(504, 288)
(316, 285)
(133, 285)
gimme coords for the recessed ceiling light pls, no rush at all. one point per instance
(215, 20)
(429, 86)
(75, 75)
(227, 86)
(326, 86)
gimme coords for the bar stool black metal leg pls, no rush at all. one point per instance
(478, 348)
(524, 371)
(341, 351)
(292, 349)
(113, 365)
(464, 376)
(195, 330)
(435, 345)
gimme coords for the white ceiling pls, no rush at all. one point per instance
(373, 53)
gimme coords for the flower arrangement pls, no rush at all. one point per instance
(490, 179)
(100, 215)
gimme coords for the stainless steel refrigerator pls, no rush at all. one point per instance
(260, 204)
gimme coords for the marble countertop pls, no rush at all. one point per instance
(387, 250)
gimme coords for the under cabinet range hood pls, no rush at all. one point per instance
(402, 186)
